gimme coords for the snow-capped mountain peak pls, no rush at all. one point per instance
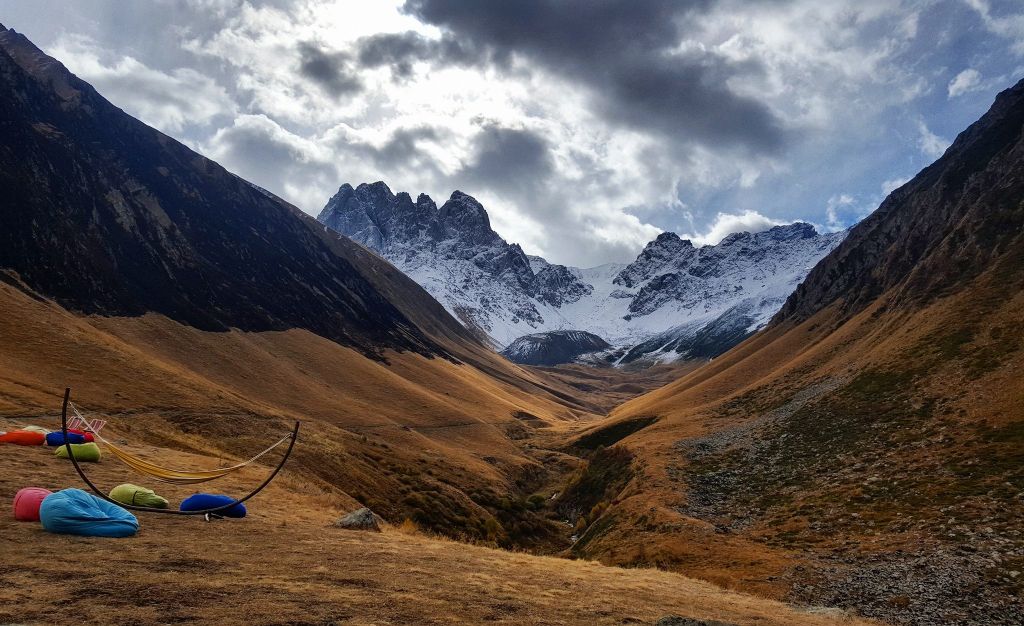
(673, 295)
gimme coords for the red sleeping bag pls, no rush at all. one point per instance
(88, 436)
(27, 502)
(23, 438)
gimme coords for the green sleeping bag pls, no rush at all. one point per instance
(134, 494)
(83, 452)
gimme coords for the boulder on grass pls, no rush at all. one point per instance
(360, 519)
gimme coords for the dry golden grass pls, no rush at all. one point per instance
(973, 378)
(285, 564)
(193, 399)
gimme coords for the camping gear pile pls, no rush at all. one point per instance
(76, 512)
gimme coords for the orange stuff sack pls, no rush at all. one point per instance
(23, 438)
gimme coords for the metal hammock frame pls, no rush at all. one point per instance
(148, 509)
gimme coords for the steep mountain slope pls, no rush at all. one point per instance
(674, 301)
(866, 448)
(153, 281)
(111, 217)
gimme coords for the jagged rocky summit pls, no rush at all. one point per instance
(676, 300)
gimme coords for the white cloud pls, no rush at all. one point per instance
(1009, 26)
(844, 80)
(832, 207)
(964, 82)
(930, 144)
(728, 223)
(892, 184)
(258, 149)
(168, 101)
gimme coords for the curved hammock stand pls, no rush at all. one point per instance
(147, 509)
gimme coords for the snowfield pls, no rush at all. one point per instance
(674, 301)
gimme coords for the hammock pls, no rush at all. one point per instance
(169, 475)
(166, 474)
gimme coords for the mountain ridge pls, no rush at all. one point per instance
(122, 208)
(673, 291)
(874, 428)
(925, 250)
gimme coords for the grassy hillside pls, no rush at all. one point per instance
(874, 461)
(285, 564)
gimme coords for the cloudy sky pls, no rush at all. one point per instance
(585, 127)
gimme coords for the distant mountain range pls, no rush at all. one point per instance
(674, 301)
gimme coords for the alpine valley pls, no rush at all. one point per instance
(674, 301)
(789, 427)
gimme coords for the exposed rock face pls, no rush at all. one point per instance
(667, 249)
(109, 216)
(454, 254)
(956, 218)
(554, 347)
(674, 301)
(360, 519)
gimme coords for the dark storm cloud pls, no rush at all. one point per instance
(403, 144)
(400, 152)
(261, 151)
(329, 70)
(515, 162)
(626, 53)
(400, 50)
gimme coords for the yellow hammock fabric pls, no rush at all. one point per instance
(174, 476)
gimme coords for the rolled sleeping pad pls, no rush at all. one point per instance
(89, 452)
(35, 429)
(56, 438)
(75, 512)
(200, 501)
(140, 496)
(23, 438)
(27, 502)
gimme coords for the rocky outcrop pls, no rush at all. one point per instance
(455, 254)
(360, 519)
(552, 348)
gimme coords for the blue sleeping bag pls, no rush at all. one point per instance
(56, 438)
(75, 512)
(200, 501)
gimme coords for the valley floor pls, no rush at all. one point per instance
(285, 564)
